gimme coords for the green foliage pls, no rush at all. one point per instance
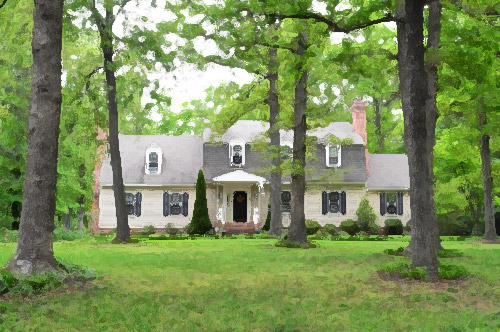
(200, 223)
(359, 238)
(8, 235)
(28, 285)
(330, 229)
(350, 226)
(148, 230)
(405, 271)
(452, 272)
(397, 252)
(169, 228)
(393, 227)
(288, 244)
(449, 253)
(366, 217)
(61, 234)
(312, 227)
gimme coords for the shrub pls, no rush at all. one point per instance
(8, 235)
(148, 230)
(404, 270)
(452, 272)
(267, 224)
(61, 234)
(349, 226)
(393, 227)
(200, 223)
(169, 228)
(287, 244)
(330, 229)
(397, 252)
(366, 217)
(312, 227)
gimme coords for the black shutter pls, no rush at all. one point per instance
(324, 203)
(343, 202)
(382, 204)
(400, 204)
(185, 199)
(166, 204)
(138, 200)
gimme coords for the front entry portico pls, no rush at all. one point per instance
(238, 197)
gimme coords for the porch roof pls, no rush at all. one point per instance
(240, 176)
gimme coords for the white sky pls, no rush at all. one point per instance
(186, 83)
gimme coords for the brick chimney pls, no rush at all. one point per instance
(101, 136)
(358, 111)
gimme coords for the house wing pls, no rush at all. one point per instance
(388, 171)
(182, 158)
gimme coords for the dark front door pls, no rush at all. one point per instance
(240, 206)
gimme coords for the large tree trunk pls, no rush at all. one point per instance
(122, 227)
(415, 98)
(274, 108)
(297, 230)
(34, 246)
(490, 233)
(378, 125)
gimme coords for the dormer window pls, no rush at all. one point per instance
(333, 155)
(153, 159)
(237, 153)
(153, 162)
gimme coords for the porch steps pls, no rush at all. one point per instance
(234, 228)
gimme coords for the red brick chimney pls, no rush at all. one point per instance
(358, 111)
(101, 135)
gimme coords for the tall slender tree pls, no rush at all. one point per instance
(105, 25)
(34, 247)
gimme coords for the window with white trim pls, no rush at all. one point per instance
(153, 159)
(333, 154)
(237, 153)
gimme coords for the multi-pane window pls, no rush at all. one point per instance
(237, 155)
(286, 197)
(175, 204)
(391, 201)
(333, 202)
(333, 155)
(153, 162)
(129, 202)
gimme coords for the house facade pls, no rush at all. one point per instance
(160, 172)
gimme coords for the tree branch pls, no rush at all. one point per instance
(3, 3)
(99, 21)
(333, 26)
(89, 76)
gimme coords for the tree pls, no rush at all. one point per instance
(366, 217)
(200, 223)
(416, 98)
(35, 250)
(104, 25)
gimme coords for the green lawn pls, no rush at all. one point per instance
(249, 285)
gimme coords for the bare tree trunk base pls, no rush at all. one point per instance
(27, 266)
(409, 248)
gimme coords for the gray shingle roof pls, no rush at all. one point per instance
(182, 158)
(388, 171)
(249, 130)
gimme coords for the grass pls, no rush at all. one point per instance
(212, 284)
